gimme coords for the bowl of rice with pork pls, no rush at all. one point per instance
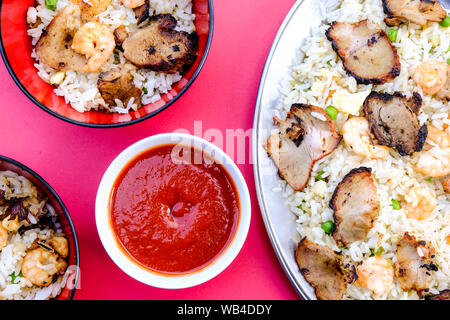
(38, 245)
(362, 148)
(105, 63)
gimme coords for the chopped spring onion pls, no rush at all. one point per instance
(301, 208)
(145, 90)
(377, 252)
(14, 276)
(51, 4)
(328, 227)
(430, 180)
(446, 22)
(319, 176)
(395, 204)
(392, 34)
(332, 112)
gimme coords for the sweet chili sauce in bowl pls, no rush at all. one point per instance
(174, 216)
(172, 211)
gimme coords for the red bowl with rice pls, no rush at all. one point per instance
(71, 276)
(16, 49)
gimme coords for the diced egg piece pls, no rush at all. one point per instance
(319, 188)
(19, 247)
(58, 77)
(11, 225)
(318, 86)
(435, 41)
(350, 103)
(325, 72)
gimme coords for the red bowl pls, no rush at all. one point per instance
(64, 219)
(16, 52)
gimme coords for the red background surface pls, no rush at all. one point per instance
(73, 159)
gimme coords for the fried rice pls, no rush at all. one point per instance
(80, 88)
(13, 284)
(316, 74)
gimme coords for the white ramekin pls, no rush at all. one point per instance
(126, 263)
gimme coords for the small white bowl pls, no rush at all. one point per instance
(126, 263)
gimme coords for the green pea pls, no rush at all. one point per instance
(51, 4)
(328, 227)
(445, 23)
(395, 204)
(332, 112)
(392, 34)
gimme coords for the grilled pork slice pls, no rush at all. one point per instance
(393, 121)
(306, 136)
(54, 47)
(416, 11)
(355, 205)
(142, 12)
(323, 269)
(414, 266)
(120, 35)
(3, 200)
(118, 84)
(160, 48)
(366, 51)
(443, 295)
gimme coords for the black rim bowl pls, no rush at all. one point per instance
(114, 125)
(66, 213)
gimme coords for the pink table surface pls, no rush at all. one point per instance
(73, 159)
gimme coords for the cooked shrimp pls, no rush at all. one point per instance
(356, 136)
(95, 41)
(40, 265)
(98, 6)
(132, 3)
(446, 185)
(420, 203)
(95, 6)
(60, 245)
(435, 161)
(3, 237)
(431, 76)
(375, 274)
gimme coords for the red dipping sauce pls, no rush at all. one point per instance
(173, 217)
